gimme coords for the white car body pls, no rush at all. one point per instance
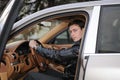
(95, 65)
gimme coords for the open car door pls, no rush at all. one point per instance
(7, 20)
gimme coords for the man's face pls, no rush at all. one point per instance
(75, 32)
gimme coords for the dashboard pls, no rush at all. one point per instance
(18, 59)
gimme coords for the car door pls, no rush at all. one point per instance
(52, 31)
(104, 64)
(49, 26)
(7, 20)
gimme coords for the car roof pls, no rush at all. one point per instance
(70, 6)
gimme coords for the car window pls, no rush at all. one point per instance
(35, 31)
(63, 38)
(51, 30)
(109, 30)
(38, 31)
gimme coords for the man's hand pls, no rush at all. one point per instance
(33, 44)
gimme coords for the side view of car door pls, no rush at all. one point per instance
(102, 55)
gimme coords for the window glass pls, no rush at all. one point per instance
(109, 30)
(63, 38)
(36, 31)
(51, 30)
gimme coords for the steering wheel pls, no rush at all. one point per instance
(40, 62)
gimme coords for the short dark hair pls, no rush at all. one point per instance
(78, 22)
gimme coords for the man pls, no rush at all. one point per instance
(66, 57)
